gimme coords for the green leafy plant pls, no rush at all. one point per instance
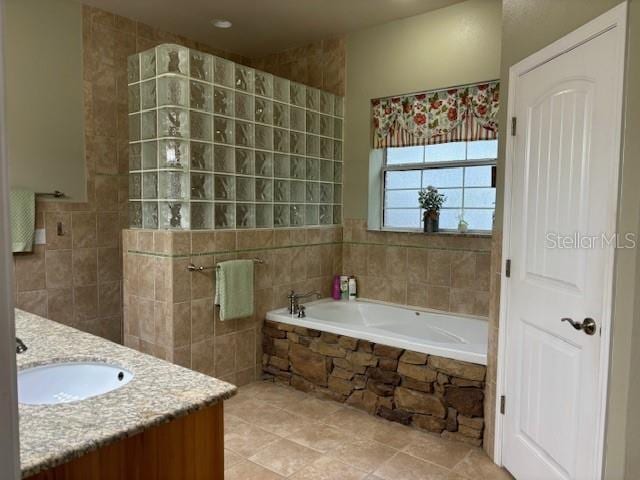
(431, 201)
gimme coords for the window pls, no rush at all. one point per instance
(462, 171)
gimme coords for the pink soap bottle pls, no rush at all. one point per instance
(336, 293)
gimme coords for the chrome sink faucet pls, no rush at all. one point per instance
(294, 306)
(20, 346)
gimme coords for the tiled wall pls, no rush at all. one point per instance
(320, 64)
(444, 272)
(76, 277)
(169, 311)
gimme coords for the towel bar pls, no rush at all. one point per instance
(199, 268)
(55, 194)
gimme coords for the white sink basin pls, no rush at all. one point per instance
(69, 382)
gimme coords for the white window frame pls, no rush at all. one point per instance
(403, 167)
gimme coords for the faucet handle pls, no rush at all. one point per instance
(301, 311)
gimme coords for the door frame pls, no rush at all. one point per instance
(614, 18)
(9, 439)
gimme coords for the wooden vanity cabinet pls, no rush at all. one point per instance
(187, 448)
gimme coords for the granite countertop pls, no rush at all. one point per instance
(159, 392)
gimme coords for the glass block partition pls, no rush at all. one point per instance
(218, 145)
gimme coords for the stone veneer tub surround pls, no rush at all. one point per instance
(429, 392)
(51, 435)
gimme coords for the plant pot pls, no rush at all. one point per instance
(431, 221)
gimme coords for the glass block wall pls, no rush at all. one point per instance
(218, 145)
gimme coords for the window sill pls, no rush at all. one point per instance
(444, 233)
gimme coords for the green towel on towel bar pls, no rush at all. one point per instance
(234, 289)
(22, 210)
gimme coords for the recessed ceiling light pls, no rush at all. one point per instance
(221, 23)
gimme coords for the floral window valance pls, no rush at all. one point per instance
(451, 115)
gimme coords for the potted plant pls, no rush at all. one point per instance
(431, 202)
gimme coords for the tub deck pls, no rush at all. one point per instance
(457, 337)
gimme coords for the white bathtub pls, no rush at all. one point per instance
(446, 335)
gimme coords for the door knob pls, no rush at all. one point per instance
(588, 325)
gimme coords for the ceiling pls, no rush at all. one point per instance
(261, 27)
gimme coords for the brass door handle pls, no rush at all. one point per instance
(588, 325)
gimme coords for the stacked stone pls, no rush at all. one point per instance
(432, 393)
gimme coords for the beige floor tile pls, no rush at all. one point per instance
(320, 437)
(477, 466)
(246, 470)
(285, 457)
(257, 386)
(327, 440)
(406, 467)
(279, 396)
(280, 422)
(232, 422)
(394, 434)
(243, 438)
(353, 420)
(364, 454)
(314, 408)
(231, 458)
(250, 410)
(390, 433)
(329, 469)
(438, 450)
(240, 397)
(244, 404)
(250, 391)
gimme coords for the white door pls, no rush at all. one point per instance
(563, 191)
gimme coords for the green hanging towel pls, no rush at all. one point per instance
(22, 209)
(234, 289)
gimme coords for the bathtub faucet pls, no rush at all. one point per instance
(294, 298)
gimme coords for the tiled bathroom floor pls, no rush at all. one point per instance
(275, 432)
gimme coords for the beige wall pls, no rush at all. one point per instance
(43, 58)
(451, 46)
(627, 300)
(527, 27)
